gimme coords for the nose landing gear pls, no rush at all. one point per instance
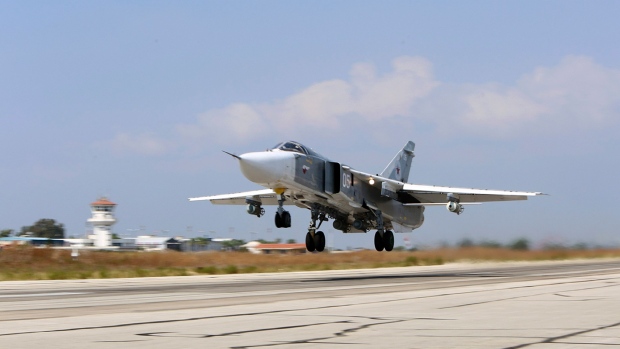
(283, 218)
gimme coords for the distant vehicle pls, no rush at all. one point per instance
(356, 201)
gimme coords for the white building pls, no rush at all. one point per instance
(102, 221)
(157, 243)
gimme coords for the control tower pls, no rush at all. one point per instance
(102, 221)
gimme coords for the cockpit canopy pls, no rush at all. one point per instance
(296, 147)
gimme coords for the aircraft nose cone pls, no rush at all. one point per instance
(266, 167)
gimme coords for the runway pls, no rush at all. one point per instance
(534, 305)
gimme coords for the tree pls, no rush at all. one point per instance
(521, 244)
(45, 228)
(6, 233)
(233, 244)
(490, 244)
(276, 241)
(465, 243)
(201, 241)
(291, 241)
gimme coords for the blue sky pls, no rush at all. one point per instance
(136, 100)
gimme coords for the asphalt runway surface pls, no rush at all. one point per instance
(534, 305)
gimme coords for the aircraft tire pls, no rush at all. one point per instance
(378, 241)
(310, 243)
(319, 241)
(286, 219)
(278, 220)
(388, 240)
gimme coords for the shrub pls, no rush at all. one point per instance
(207, 270)
(249, 269)
(521, 244)
(231, 269)
(490, 244)
(464, 243)
(411, 260)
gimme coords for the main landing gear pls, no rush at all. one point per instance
(384, 240)
(315, 240)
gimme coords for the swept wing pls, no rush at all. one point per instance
(266, 196)
(432, 194)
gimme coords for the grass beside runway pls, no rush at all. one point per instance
(27, 263)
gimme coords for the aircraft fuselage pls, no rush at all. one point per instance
(307, 179)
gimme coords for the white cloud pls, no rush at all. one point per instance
(323, 105)
(396, 93)
(492, 110)
(496, 108)
(143, 144)
(576, 90)
(225, 125)
(574, 95)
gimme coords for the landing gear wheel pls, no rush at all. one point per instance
(319, 241)
(286, 219)
(278, 220)
(310, 243)
(378, 241)
(388, 240)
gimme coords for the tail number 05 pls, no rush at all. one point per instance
(346, 180)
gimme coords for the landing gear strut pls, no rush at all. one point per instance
(315, 240)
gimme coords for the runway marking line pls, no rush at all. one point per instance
(53, 294)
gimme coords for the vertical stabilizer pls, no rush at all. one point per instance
(398, 169)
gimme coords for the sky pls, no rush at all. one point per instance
(136, 101)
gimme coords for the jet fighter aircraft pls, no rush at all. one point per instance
(356, 201)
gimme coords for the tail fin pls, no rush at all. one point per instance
(398, 169)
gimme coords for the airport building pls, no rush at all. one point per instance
(102, 220)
